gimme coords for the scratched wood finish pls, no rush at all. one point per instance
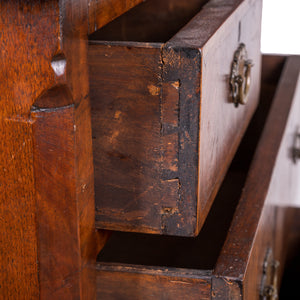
(25, 73)
(164, 127)
(286, 173)
(271, 70)
(146, 284)
(255, 233)
(154, 20)
(102, 12)
(235, 272)
(54, 160)
(286, 188)
(33, 35)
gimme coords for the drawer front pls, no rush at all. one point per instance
(164, 125)
(255, 246)
(221, 125)
(268, 253)
(285, 180)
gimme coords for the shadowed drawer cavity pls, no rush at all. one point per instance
(165, 128)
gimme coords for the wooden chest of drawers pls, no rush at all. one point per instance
(49, 242)
(165, 127)
(246, 265)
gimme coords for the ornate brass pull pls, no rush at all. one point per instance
(240, 78)
(269, 279)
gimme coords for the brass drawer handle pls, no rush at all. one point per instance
(269, 289)
(240, 78)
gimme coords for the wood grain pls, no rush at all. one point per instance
(141, 283)
(152, 21)
(221, 127)
(102, 12)
(164, 127)
(25, 73)
(54, 160)
(34, 36)
(251, 234)
(236, 271)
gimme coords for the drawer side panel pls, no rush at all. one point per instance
(135, 138)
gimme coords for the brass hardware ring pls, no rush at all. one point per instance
(269, 283)
(240, 78)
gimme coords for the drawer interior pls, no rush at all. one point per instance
(164, 128)
(151, 21)
(202, 251)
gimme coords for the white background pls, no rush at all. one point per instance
(281, 26)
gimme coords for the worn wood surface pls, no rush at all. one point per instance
(152, 21)
(286, 191)
(55, 179)
(237, 269)
(136, 282)
(163, 139)
(251, 234)
(221, 126)
(126, 259)
(34, 36)
(25, 73)
(102, 12)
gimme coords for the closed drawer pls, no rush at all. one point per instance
(165, 128)
(235, 255)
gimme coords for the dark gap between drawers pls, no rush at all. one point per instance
(151, 21)
(202, 251)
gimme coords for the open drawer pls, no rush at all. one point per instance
(169, 109)
(235, 255)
